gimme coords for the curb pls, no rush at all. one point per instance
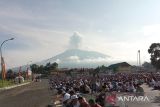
(14, 86)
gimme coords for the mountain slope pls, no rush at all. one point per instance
(78, 58)
(75, 58)
(82, 54)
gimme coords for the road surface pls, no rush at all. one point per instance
(35, 94)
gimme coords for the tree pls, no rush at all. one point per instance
(41, 69)
(47, 69)
(10, 74)
(54, 67)
(154, 50)
(34, 68)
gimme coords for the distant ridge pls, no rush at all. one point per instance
(76, 58)
(80, 53)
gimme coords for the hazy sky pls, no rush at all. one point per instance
(42, 28)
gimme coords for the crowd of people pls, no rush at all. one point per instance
(73, 90)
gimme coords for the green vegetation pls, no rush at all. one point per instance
(47, 69)
(6, 83)
(154, 50)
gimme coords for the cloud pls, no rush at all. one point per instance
(75, 41)
(95, 60)
(73, 58)
(58, 61)
(86, 60)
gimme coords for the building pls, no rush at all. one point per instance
(120, 67)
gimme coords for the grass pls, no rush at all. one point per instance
(6, 83)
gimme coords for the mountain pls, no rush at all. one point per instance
(82, 54)
(74, 58)
(78, 58)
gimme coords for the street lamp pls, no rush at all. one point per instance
(2, 60)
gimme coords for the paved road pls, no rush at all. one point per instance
(35, 94)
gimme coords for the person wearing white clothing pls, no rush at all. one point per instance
(65, 99)
(74, 101)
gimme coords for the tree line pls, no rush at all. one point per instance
(47, 69)
(36, 69)
(154, 52)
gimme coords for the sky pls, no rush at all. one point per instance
(44, 28)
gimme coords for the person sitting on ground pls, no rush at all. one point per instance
(92, 103)
(74, 101)
(100, 99)
(83, 102)
(87, 89)
(139, 90)
(65, 99)
(131, 87)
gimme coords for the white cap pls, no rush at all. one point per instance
(66, 97)
(74, 97)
